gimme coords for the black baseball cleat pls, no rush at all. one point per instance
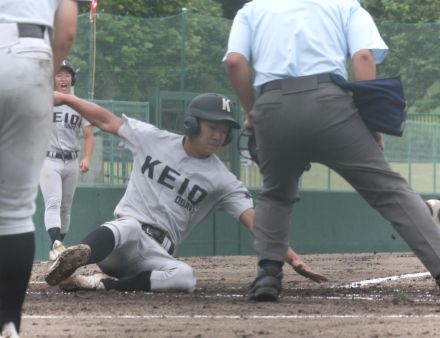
(437, 280)
(267, 286)
(67, 262)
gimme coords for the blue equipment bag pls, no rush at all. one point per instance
(380, 102)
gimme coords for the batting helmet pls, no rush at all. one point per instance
(69, 67)
(211, 107)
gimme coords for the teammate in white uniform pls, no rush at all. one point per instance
(27, 62)
(59, 175)
(176, 182)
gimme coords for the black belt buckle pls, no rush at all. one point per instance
(156, 233)
(70, 155)
(29, 30)
(160, 236)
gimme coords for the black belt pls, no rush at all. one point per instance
(160, 236)
(65, 155)
(30, 30)
(278, 84)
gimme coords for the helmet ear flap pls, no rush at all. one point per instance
(228, 138)
(191, 125)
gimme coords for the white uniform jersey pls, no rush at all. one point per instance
(172, 190)
(66, 127)
(28, 11)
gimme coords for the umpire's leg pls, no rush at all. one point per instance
(350, 149)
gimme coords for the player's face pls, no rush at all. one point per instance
(211, 137)
(63, 81)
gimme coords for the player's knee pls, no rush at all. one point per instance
(180, 278)
(53, 203)
(66, 208)
(186, 278)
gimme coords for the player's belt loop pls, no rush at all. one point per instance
(160, 236)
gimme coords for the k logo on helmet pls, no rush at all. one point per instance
(226, 104)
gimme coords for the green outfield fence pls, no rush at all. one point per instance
(415, 155)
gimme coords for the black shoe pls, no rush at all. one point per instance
(267, 286)
(437, 280)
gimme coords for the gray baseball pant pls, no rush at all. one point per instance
(321, 124)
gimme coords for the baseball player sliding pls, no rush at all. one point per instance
(59, 175)
(176, 182)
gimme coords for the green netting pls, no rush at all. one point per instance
(161, 63)
(179, 53)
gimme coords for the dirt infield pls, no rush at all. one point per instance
(368, 295)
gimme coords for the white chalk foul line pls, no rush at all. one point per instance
(258, 317)
(351, 285)
(357, 284)
(384, 279)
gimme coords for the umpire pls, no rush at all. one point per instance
(301, 116)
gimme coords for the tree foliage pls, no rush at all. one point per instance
(181, 52)
(404, 11)
(143, 44)
(230, 7)
(411, 30)
(156, 8)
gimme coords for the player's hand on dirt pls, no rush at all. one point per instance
(84, 166)
(303, 269)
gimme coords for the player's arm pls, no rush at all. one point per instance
(84, 165)
(64, 31)
(95, 114)
(364, 68)
(292, 258)
(239, 74)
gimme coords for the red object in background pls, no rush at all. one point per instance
(93, 7)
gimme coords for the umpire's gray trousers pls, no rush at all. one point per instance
(318, 122)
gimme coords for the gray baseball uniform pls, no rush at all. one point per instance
(26, 101)
(59, 175)
(172, 191)
(25, 105)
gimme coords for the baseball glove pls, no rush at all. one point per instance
(247, 145)
(434, 209)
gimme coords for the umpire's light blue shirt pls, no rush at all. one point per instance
(289, 38)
